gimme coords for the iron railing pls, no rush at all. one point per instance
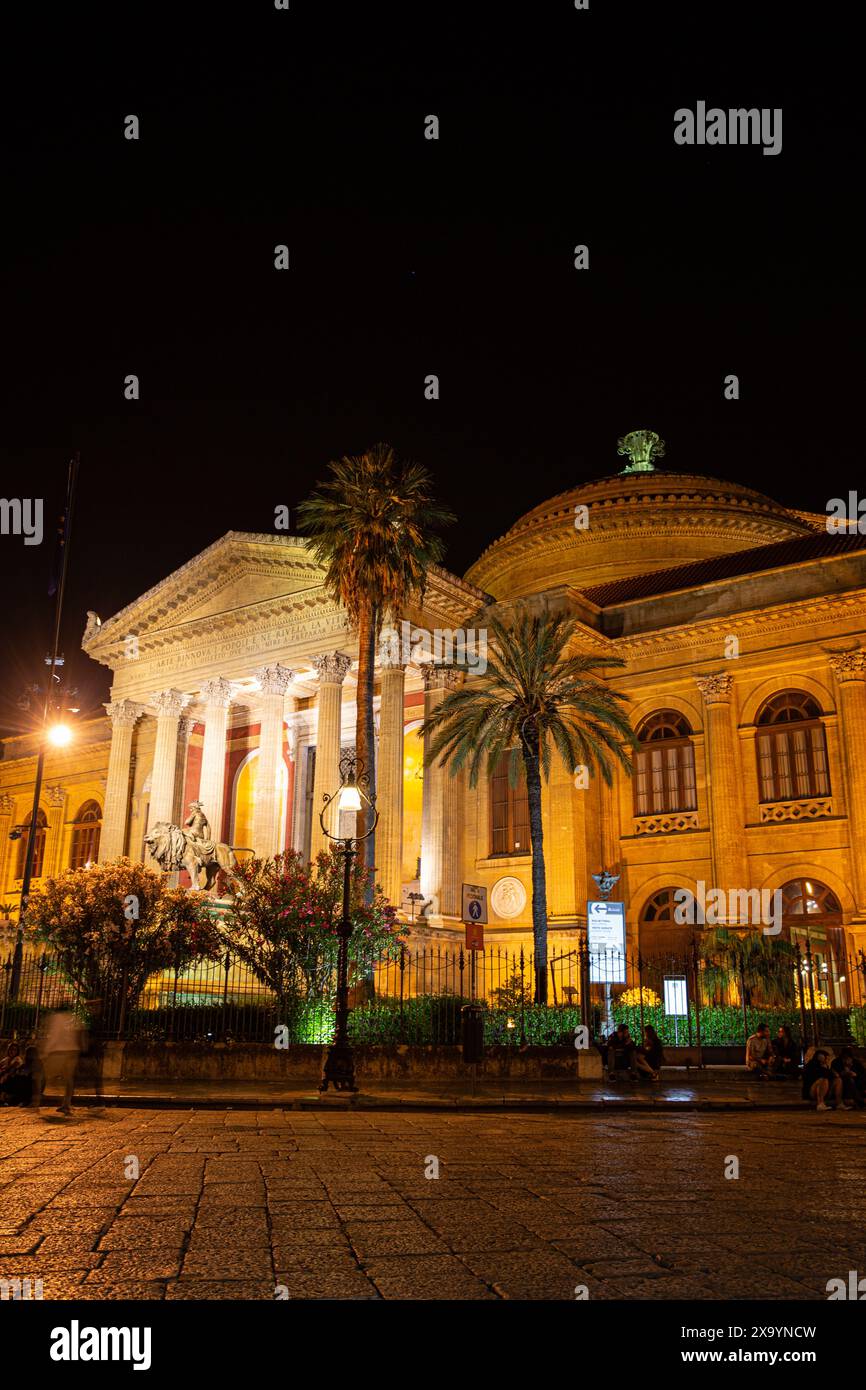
(691, 997)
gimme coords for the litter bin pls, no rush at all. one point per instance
(472, 1022)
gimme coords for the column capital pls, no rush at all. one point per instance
(274, 680)
(169, 702)
(56, 796)
(217, 691)
(7, 804)
(185, 726)
(124, 712)
(390, 659)
(715, 688)
(849, 666)
(441, 677)
(332, 667)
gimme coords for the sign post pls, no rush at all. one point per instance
(605, 933)
(676, 1001)
(474, 920)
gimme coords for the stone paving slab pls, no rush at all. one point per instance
(526, 1205)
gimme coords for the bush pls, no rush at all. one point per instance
(857, 1024)
(722, 1024)
(311, 1022)
(424, 1018)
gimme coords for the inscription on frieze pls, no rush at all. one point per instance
(256, 644)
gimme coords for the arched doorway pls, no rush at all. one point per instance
(244, 792)
(811, 910)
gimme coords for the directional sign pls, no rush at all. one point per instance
(606, 939)
(474, 904)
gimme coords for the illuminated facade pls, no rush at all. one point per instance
(234, 683)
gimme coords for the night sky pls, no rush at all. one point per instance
(407, 257)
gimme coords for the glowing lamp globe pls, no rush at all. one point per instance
(59, 735)
(348, 797)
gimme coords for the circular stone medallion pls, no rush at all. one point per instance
(508, 897)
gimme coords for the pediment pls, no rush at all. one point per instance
(240, 573)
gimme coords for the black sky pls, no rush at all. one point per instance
(408, 257)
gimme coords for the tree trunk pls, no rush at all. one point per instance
(365, 734)
(539, 877)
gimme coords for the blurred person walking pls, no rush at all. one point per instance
(59, 1052)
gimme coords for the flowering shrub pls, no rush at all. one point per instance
(284, 923)
(631, 998)
(120, 921)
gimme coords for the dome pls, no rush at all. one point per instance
(634, 523)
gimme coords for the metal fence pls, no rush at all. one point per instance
(692, 997)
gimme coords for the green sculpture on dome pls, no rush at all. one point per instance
(641, 446)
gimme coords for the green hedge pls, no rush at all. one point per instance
(722, 1024)
(857, 1024)
(434, 1019)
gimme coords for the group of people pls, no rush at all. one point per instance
(63, 1040)
(827, 1081)
(638, 1059)
(766, 1056)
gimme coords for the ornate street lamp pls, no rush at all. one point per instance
(353, 797)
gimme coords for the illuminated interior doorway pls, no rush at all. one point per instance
(244, 792)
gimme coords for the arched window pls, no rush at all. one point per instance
(509, 811)
(664, 777)
(659, 931)
(38, 848)
(85, 835)
(806, 897)
(792, 750)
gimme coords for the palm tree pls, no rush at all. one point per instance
(533, 699)
(371, 525)
(752, 960)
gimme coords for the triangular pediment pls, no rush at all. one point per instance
(238, 573)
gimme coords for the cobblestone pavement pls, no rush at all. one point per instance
(228, 1205)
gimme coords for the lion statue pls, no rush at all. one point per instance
(174, 848)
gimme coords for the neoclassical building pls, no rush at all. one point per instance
(742, 624)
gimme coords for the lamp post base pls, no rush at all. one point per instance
(339, 1068)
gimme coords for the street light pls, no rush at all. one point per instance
(54, 661)
(59, 735)
(352, 797)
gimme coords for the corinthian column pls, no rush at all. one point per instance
(723, 780)
(216, 696)
(850, 671)
(440, 811)
(112, 842)
(169, 704)
(274, 682)
(7, 808)
(51, 864)
(389, 799)
(331, 668)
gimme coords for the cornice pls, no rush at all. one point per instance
(776, 619)
(263, 617)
